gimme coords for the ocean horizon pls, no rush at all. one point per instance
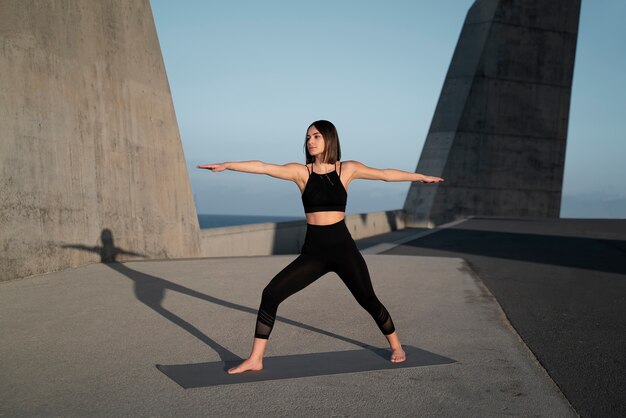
(215, 221)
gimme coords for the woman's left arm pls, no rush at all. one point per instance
(361, 171)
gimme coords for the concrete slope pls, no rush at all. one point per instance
(561, 283)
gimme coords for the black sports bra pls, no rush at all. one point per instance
(324, 192)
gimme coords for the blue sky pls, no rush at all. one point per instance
(248, 77)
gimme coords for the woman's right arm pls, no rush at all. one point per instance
(285, 172)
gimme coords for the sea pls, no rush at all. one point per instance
(215, 221)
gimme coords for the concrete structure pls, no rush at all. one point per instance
(499, 131)
(89, 138)
(93, 168)
(288, 237)
(561, 284)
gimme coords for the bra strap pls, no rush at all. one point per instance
(340, 168)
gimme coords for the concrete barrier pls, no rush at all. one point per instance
(92, 166)
(288, 237)
(499, 132)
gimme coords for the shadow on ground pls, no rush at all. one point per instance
(562, 285)
(150, 290)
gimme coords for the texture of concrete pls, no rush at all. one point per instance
(86, 342)
(90, 147)
(562, 285)
(499, 131)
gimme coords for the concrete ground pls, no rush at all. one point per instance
(561, 283)
(87, 342)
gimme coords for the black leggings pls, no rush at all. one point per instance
(326, 248)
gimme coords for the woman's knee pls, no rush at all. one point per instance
(269, 297)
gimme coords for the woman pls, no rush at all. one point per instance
(328, 245)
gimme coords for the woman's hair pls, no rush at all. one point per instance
(332, 150)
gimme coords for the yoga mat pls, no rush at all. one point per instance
(299, 366)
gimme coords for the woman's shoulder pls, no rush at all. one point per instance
(350, 164)
(298, 167)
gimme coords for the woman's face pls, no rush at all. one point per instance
(314, 141)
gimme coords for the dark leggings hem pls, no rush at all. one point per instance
(394, 330)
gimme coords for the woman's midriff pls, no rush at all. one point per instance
(328, 242)
(324, 218)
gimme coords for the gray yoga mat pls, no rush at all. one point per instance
(299, 365)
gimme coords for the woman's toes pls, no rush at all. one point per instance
(245, 366)
(398, 356)
(234, 370)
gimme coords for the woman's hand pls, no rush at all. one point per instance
(431, 179)
(214, 167)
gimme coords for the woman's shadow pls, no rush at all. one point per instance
(150, 290)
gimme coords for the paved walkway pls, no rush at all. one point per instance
(87, 342)
(562, 285)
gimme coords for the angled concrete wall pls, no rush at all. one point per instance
(499, 131)
(89, 148)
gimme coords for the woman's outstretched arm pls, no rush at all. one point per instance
(361, 171)
(285, 172)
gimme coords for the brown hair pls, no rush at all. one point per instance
(332, 149)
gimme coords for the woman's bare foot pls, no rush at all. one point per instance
(397, 355)
(248, 364)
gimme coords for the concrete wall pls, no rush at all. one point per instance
(90, 153)
(499, 131)
(288, 237)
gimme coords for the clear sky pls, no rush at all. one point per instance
(248, 77)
